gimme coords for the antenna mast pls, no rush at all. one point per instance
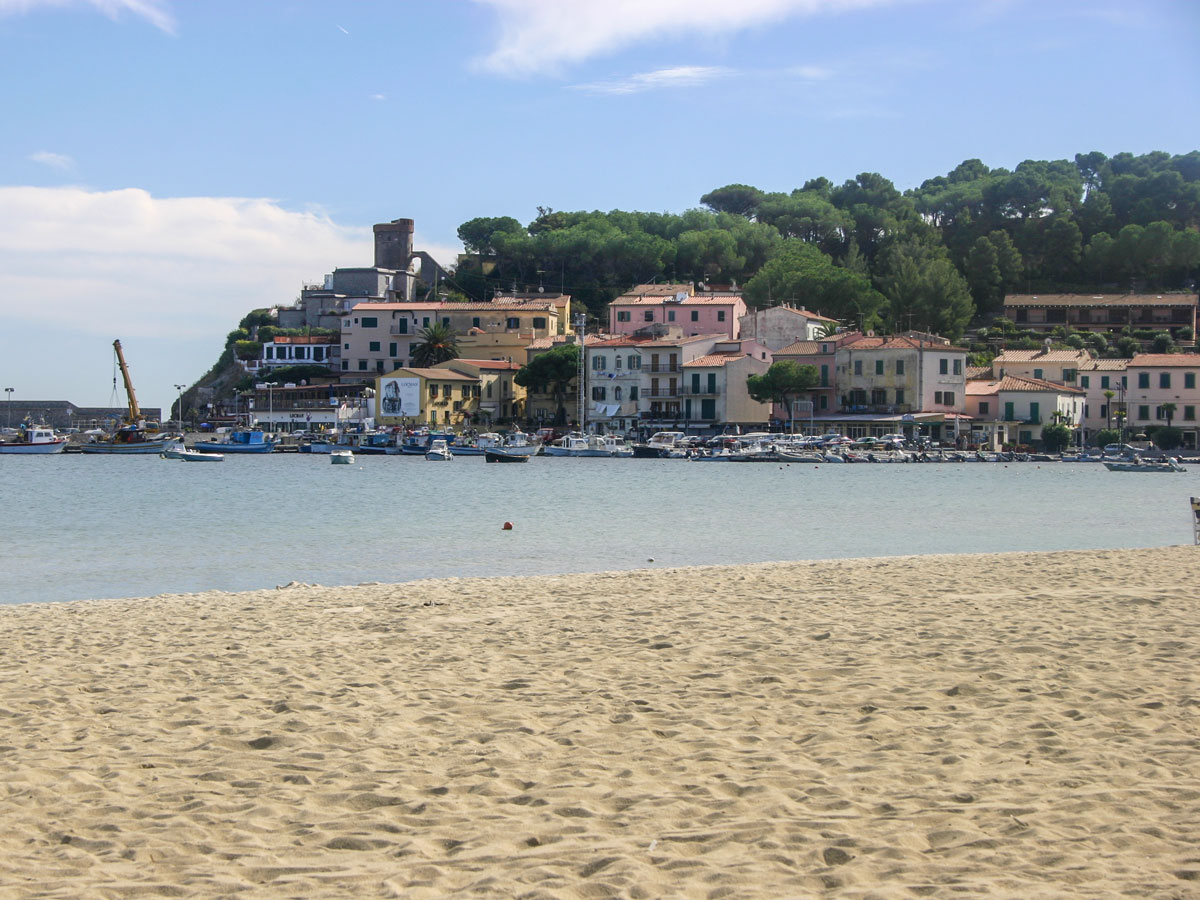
(581, 373)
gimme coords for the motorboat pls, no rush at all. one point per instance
(179, 451)
(341, 457)
(662, 444)
(572, 444)
(478, 445)
(439, 451)
(1139, 464)
(602, 445)
(35, 439)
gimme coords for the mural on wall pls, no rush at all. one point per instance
(401, 397)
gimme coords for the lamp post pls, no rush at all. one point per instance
(9, 391)
(179, 412)
(271, 385)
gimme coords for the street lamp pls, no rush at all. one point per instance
(179, 411)
(271, 404)
(9, 391)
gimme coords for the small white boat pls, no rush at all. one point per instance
(439, 451)
(35, 439)
(178, 451)
(341, 457)
(1138, 464)
(572, 444)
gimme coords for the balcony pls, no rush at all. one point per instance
(396, 329)
(661, 367)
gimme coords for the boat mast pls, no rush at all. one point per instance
(135, 413)
(581, 376)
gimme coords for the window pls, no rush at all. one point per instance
(474, 321)
(1164, 379)
(362, 365)
(858, 367)
(617, 394)
(1035, 412)
(824, 401)
(379, 366)
(598, 392)
(695, 315)
(622, 315)
(879, 367)
(1189, 380)
(373, 346)
(512, 322)
(457, 405)
(648, 315)
(345, 323)
(539, 322)
(318, 354)
(1068, 375)
(943, 367)
(393, 349)
(899, 396)
(635, 362)
(370, 322)
(425, 321)
(1104, 382)
(1143, 379)
(983, 407)
(825, 376)
(878, 397)
(1083, 379)
(720, 315)
(433, 391)
(345, 364)
(633, 392)
(958, 367)
(402, 326)
(599, 362)
(670, 315)
(899, 367)
(1037, 373)
(1008, 412)
(1103, 411)
(446, 321)
(345, 346)
(1143, 411)
(270, 354)
(465, 391)
(1189, 414)
(943, 398)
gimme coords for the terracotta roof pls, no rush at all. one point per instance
(515, 305)
(431, 374)
(659, 300)
(803, 348)
(1165, 360)
(1039, 385)
(661, 290)
(486, 363)
(555, 340)
(630, 341)
(1015, 356)
(1100, 300)
(974, 373)
(714, 359)
(980, 388)
(895, 342)
(1104, 365)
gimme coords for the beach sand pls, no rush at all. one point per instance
(1014, 725)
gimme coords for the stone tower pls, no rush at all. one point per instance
(394, 244)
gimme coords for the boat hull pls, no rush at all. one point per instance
(133, 448)
(221, 447)
(39, 448)
(503, 456)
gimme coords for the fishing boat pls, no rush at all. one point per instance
(246, 440)
(34, 439)
(132, 437)
(1138, 464)
(342, 457)
(501, 455)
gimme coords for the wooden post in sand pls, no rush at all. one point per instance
(1196, 520)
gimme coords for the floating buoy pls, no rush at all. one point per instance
(651, 559)
(507, 526)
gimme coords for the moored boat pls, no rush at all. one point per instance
(501, 455)
(178, 451)
(35, 439)
(1138, 464)
(239, 441)
(342, 457)
(133, 437)
(439, 451)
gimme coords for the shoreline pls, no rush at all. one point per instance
(1002, 724)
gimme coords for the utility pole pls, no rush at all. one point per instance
(581, 377)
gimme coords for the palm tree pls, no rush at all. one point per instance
(437, 344)
(1169, 411)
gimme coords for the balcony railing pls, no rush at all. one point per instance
(662, 367)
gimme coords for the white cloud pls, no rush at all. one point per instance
(545, 35)
(677, 77)
(811, 73)
(53, 160)
(379, 96)
(79, 268)
(156, 12)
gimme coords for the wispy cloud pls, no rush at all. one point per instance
(156, 12)
(676, 77)
(810, 73)
(547, 35)
(379, 96)
(53, 160)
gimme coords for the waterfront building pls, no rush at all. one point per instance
(495, 397)
(714, 393)
(422, 396)
(1059, 366)
(1103, 313)
(777, 327)
(1097, 378)
(693, 312)
(284, 350)
(1161, 389)
(1013, 410)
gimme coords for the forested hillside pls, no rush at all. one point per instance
(936, 258)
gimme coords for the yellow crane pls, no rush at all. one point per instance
(135, 412)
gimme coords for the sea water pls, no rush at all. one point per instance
(101, 526)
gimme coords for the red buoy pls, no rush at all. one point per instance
(508, 526)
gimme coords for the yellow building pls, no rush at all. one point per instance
(436, 397)
(497, 397)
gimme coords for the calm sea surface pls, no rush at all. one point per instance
(95, 526)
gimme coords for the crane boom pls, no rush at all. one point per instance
(135, 412)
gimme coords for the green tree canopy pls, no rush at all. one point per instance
(803, 275)
(553, 372)
(435, 344)
(783, 383)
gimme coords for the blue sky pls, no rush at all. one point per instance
(168, 165)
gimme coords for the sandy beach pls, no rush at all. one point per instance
(1015, 725)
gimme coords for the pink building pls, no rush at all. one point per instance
(694, 312)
